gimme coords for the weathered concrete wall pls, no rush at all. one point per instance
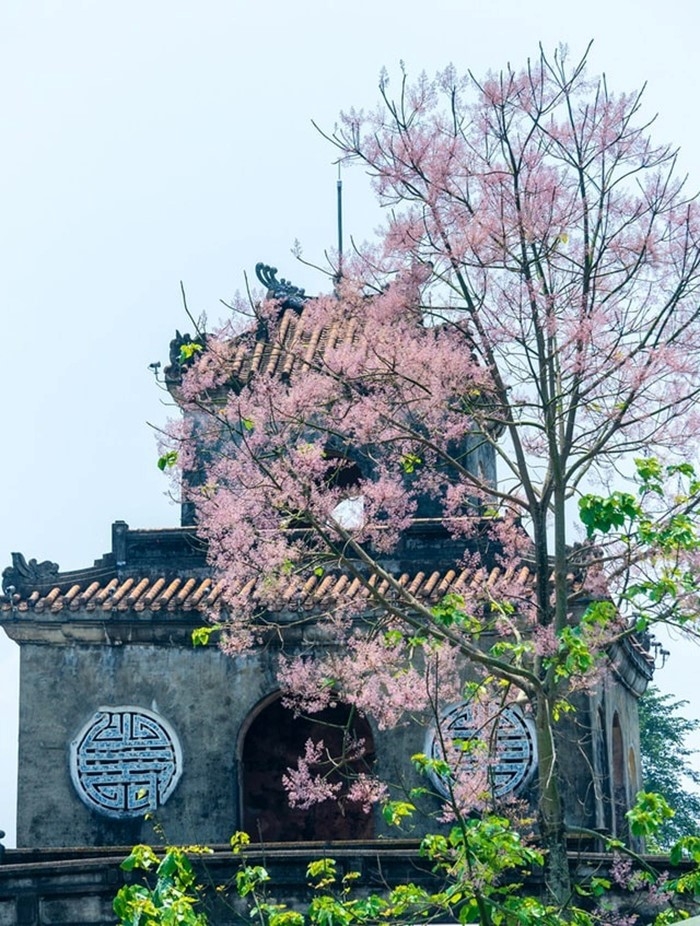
(618, 774)
(207, 698)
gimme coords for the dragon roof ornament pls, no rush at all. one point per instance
(289, 296)
(23, 577)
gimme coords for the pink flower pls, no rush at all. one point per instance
(304, 787)
(367, 791)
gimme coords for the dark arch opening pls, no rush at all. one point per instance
(344, 475)
(274, 741)
(342, 472)
(602, 769)
(619, 784)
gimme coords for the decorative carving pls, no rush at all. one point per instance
(514, 753)
(289, 296)
(125, 762)
(27, 577)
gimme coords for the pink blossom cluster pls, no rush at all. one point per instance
(381, 678)
(305, 787)
(367, 791)
(648, 894)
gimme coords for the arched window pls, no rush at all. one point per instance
(273, 742)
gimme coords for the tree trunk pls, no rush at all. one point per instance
(551, 812)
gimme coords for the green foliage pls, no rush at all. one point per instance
(661, 526)
(574, 656)
(650, 473)
(483, 861)
(451, 611)
(409, 462)
(286, 918)
(167, 460)
(666, 762)
(200, 635)
(600, 515)
(171, 901)
(395, 812)
(686, 847)
(239, 841)
(250, 878)
(623, 510)
(447, 611)
(649, 813)
(190, 350)
(426, 766)
(480, 867)
(140, 857)
(322, 873)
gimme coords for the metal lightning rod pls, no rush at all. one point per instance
(340, 226)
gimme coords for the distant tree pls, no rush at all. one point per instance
(666, 761)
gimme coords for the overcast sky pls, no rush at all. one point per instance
(146, 142)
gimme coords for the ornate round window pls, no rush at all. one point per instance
(125, 761)
(513, 752)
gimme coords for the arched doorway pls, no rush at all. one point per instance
(273, 742)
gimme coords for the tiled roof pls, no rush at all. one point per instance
(294, 345)
(163, 574)
(190, 594)
(176, 604)
(131, 594)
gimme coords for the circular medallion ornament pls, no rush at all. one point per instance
(513, 754)
(125, 761)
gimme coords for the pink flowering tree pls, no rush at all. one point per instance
(528, 323)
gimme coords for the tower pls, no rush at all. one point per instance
(122, 718)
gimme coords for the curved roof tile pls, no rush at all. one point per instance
(193, 594)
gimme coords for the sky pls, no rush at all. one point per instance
(147, 142)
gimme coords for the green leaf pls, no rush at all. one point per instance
(599, 886)
(200, 635)
(409, 462)
(396, 811)
(650, 811)
(249, 878)
(450, 610)
(650, 473)
(187, 351)
(322, 872)
(469, 912)
(168, 459)
(239, 841)
(140, 857)
(603, 514)
(286, 918)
